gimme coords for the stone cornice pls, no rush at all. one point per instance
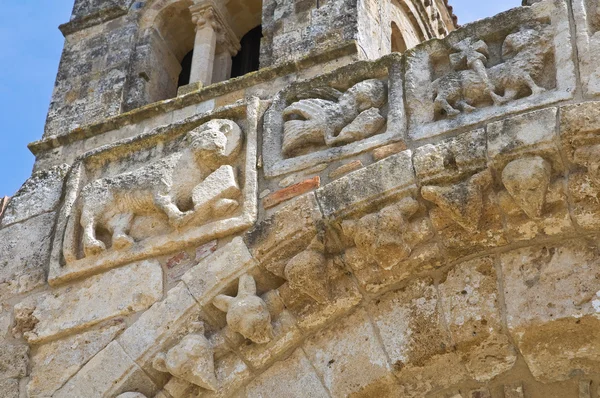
(101, 16)
(206, 93)
(206, 11)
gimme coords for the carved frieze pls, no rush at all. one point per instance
(177, 186)
(485, 71)
(326, 119)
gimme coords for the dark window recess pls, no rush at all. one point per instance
(247, 58)
(186, 69)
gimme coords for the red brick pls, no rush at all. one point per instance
(291, 192)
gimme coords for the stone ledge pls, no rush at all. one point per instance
(101, 16)
(205, 93)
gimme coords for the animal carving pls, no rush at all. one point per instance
(380, 235)
(247, 314)
(523, 55)
(192, 360)
(340, 119)
(197, 177)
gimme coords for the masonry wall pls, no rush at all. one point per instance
(328, 227)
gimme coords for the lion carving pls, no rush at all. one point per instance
(523, 53)
(197, 178)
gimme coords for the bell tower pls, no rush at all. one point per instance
(120, 55)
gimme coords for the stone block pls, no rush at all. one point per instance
(218, 271)
(10, 388)
(419, 347)
(54, 363)
(109, 373)
(349, 359)
(41, 193)
(551, 295)
(585, 14)
(24, 252)
(450, 159)
(471, 308)
(284, 234)
(293, 377)
(14, 360)
(83, 304)
(342, 296)
(579, 125)
(367, 186)
(160, 324)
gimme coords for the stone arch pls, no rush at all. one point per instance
(408, 24)
(168, 34)
(398, 43)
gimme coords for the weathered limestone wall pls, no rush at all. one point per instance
(120, 55)
(421, 225)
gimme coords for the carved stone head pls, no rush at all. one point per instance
(215, 141)
(191, 360)
(527, 181)
(247, 313)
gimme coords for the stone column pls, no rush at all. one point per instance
(205, 44)
(227, 48)
(215, 43)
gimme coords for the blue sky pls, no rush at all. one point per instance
(31, 46)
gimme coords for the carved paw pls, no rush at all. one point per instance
(122, 242)
(93, 247)
(180, 219)
(224, 206)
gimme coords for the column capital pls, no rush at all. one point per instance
(208, 13)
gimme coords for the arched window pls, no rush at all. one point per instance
(398, 43)
(186, 42)
(247, 59)
(186, 69)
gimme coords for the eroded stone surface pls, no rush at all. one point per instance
(41, 193)
(14, 359)
(353, 362)
(123, 291)
(551, 296)
(54, 363)
(415, 339)
(24, 251)
(110, 372)
(471, 307)
(294, 377)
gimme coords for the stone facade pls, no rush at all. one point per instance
(341, 222)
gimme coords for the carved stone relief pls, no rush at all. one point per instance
(247, 314)
(587, 19)
(468, 78)
(457, 183)
(192, 360)
(530, 174)
(321, 120)
(159, 192)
